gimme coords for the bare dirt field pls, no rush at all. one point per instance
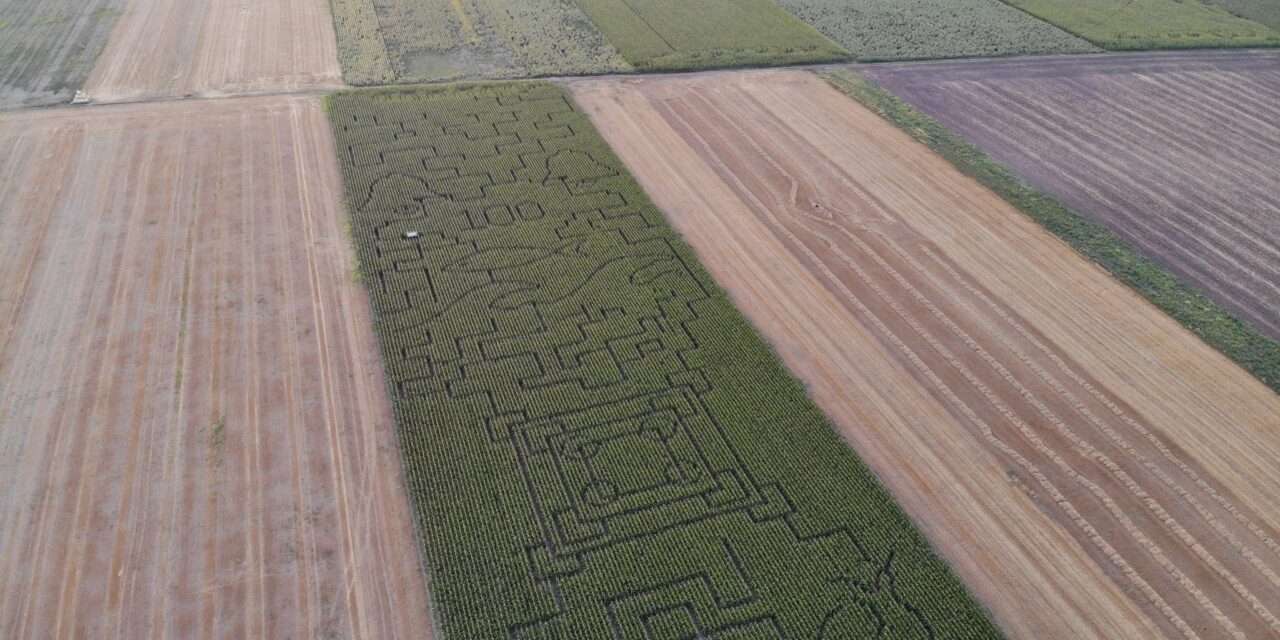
(195, 440)
(215, 47)
(1179, 152)
(1089, 468)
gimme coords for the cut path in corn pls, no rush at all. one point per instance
(195, 438)
(1088, 466)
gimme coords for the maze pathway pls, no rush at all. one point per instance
(597, 443)
(195, 439)
(1087, 465)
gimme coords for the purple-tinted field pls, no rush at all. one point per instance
(1177, 152)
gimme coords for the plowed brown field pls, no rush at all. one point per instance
(1179, 153)
(1088, 466)
(214, 47)
(195, 440)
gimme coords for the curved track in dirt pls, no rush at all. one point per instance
(1088, 466)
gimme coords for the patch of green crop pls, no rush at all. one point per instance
(382, 41)
(927, 29)
(1219, 328)
(596, 443)
(362, 52)
(1265, 12)
(676, 35)
(1151, 24)
(51, 18)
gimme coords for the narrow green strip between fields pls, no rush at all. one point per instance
(1238, 340)
(596, 443)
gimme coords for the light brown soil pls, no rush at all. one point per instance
(1088, 466)
(195, 439)
(1178, 152)
(216, 47)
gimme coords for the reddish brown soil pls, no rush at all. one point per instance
(216, 47)
(195, 440)
(1177, 152)
(1088, 466)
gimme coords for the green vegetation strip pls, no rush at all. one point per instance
(678, 35)
(928, 29)
(1151, 24)
(1266, 12)
(596, 443)
(1238, 340)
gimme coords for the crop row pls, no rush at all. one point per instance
(921, 29)
(1154, 24)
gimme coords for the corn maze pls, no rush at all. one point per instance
(596, 443)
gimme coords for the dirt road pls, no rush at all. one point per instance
(1177, 152)
(1088, 466)
(195, 440)
(216, 47)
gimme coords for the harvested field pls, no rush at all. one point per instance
(919, 29)
(1151, 24)
(195, 438)
(1090, 468)
(597, 443)
(677, 35)
(1178, 153)
(382, 41)
(47, 47)
(214, 47)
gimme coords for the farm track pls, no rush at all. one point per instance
(165, 48)
(1090, 468)
(1178, 153)
(195, 439)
